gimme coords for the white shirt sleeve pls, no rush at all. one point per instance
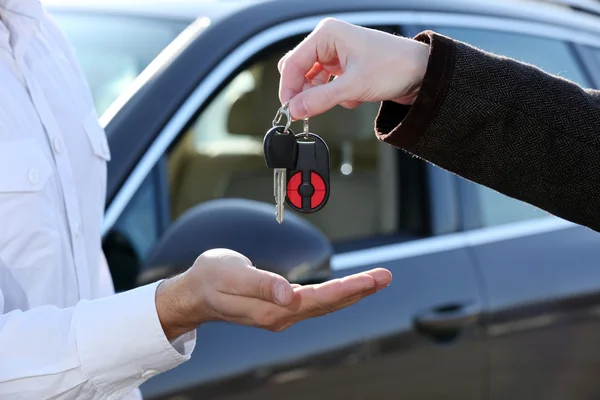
(99, 349)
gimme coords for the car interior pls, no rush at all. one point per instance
(222, 156)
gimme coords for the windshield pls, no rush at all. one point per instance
(114, 49)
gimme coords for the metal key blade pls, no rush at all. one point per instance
(280, 187)
(281, 153)
(276, 173)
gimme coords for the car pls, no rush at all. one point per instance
(492, 298)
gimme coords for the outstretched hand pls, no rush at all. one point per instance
(368, 65)
(222, 285)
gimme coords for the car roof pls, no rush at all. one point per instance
(171, 9)
(217, 9)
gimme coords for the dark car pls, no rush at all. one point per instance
(492, 298)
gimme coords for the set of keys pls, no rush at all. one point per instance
(301, 166)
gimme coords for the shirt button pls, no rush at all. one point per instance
(56, 145)
(149, 374)
(33, 177)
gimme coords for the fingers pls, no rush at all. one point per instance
(262, 285)
(330, 293)
(234, 274)
(305, 73)
(308, 301)
(316, 76)
(282, 60)
(360, 59)
(294, 67)
(315, 300)
(318, 47)
(318, 99)
(350, 104)
(382, 276)
(224, 286)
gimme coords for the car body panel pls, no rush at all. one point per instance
(348, 354)
(543, 293)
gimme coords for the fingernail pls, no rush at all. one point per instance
(279, 293)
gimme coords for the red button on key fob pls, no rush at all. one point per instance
(308, 183)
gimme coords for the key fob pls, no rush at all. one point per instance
(308, 183)
(280, 149)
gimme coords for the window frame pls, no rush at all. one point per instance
(590, 61)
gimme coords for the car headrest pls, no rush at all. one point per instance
(253, 112)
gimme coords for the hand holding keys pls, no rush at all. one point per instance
(301, 166)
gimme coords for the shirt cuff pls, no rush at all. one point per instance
(121, 342)
(185, 343)
(402, 125)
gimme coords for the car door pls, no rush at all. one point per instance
(419, 338)
(541, 274)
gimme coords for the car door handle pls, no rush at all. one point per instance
(445, 322)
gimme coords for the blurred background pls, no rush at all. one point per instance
(492, 297)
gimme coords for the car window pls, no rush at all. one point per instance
(137, 230)
(553, 56)
(134, 234)
(114, 49)
(594, 62)
(221, 156)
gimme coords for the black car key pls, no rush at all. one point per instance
(281, 153)
(308, 183)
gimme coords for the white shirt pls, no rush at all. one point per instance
(63, 332)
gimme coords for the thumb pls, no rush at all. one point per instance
(229, 272)
(260, 284)
(321, 98)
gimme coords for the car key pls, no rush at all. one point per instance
(281, 153)
(308, 184)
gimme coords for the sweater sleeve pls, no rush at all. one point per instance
(503, 124)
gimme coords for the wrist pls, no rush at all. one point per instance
(173, 308)
(416, 70)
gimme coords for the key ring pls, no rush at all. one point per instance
(306, 127)
(284, 110)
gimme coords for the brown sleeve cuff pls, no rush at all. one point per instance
(402, 125)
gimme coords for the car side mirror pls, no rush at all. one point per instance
(294, 249)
